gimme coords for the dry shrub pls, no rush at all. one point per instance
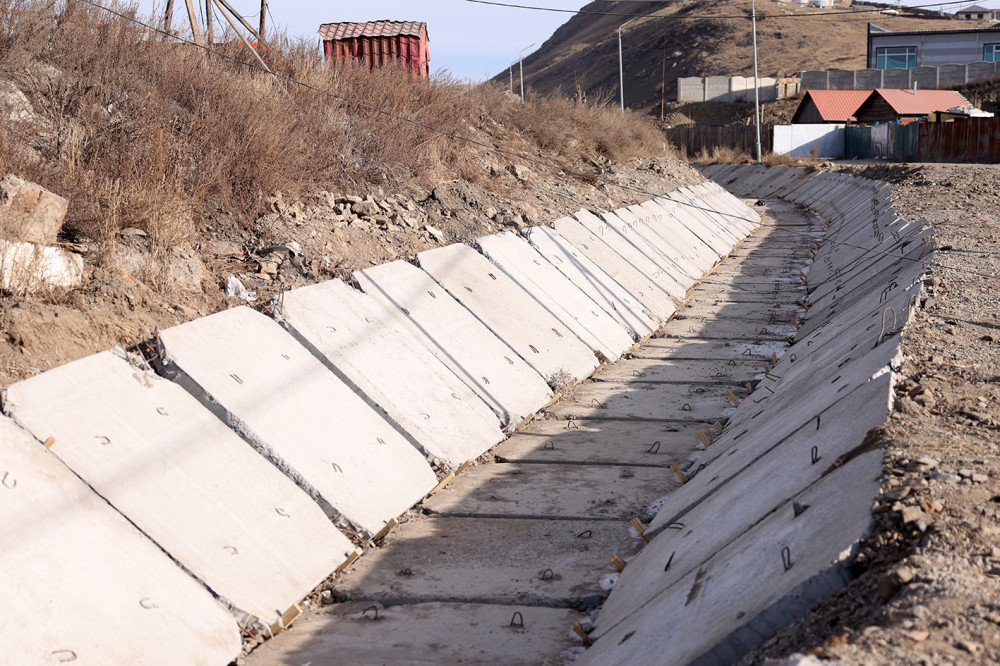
(721, 155)
(140, 132)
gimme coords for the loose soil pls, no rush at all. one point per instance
(928, 590)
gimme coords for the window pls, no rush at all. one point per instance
(991, 52)
(896, 57)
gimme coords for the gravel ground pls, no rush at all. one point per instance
(928, 586)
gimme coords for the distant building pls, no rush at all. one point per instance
(378, 43)
(928, 48)
(883, 106)
(978, 13)
(829, 106)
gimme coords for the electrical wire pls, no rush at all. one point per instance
(760, 15)
(495, 149)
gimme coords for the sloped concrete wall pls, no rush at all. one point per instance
(751, 499)
(273, 456)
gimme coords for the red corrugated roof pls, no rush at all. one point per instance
(921, 102)
(338, 31)
(838, 105)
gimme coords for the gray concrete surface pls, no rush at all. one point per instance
(358, 340)
(541, 339)
(83, 585)
(707, 623)
(567, 302)
(487, 364)
(593, 280)
(185, 479)
(290, 407)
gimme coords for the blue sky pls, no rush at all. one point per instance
(470, 40)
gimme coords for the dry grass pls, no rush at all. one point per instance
(138, 132)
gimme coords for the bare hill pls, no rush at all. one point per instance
(711, 38)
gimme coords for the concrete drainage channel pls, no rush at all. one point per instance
(199, 512)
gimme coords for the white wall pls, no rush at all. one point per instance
(826, 140)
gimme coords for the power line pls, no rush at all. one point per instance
(687, 17)
(458, 137)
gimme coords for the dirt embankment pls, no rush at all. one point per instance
(184, 169)
(928, 590)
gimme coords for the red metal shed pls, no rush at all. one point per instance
(376, 43)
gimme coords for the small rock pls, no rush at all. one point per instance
(945, 477)
(522, 173)
(917, 636)
(979, 478)
(965, 472)
(891, 582)
(326, 597)
(435, 232)
(969, 646)
(911, 514)
(29, 212)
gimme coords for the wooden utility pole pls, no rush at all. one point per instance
(168, 17)
(209, 32)
(263, 24)
(663, 80)
(193, 18)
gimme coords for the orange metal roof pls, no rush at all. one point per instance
(921, 102)
(838, 105)
(338, 31)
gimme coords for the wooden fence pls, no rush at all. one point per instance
(971, 140)
(694, 138)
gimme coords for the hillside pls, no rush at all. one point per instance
(184, 169)
(698, 39)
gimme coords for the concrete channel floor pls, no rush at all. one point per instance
(499, 565)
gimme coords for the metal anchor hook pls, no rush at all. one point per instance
(686, 407)
(8, 481)
(373, 607)
(786, 558)
(814, 456)
(571, 425)
(588, 533)
(516, 620)
(655, 448)
(885, 333)
(594, 402)
(548, 574)
(64, 656)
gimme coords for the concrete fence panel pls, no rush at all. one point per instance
(823, 140)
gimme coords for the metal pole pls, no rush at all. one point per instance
(621, 67)
(756, 83)
(520, 66)
(510, 70)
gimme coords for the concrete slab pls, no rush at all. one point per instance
(84, 585)
(730, 327)
(657, 303)
(671, 224)
(704, 313)
(511, 387)
(358, 340)
(669, 279)
(592, 280)
(707, 527)
(456, 559)
(692, 221)
(272, 391)
(422, 634)
(601, 442)
(185, 479)
(693, 348)
(561, 492)
(737, 450)
(567, 302)
(652, 231)
(795, 560)
(648, 402)
(510, 312)
(668, 370)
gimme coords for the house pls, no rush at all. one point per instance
(978, 13)
(907, 49)
(829, 106)
(906, 105)
(378, 43)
